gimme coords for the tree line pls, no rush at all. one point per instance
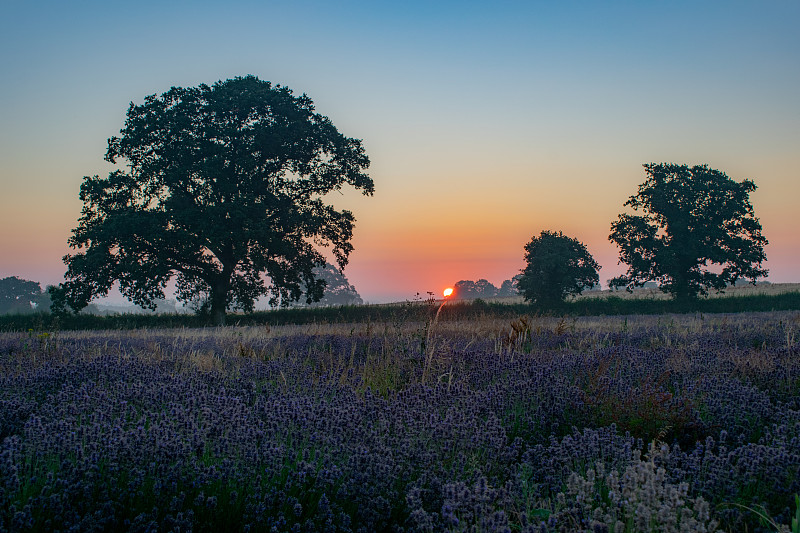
(223, 189)
(20, 296)
(693, 230)
(468, 289)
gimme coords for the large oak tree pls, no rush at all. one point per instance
(697, 230)
(223, 188)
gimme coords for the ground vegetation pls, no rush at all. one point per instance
(635, 423)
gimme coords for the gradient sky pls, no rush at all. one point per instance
(485, 124)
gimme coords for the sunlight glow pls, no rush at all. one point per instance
(448, 291)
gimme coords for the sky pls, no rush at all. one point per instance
(485, 123)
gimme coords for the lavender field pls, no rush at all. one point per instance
(638, 423)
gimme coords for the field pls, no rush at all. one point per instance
(642, 293)
(671, 422)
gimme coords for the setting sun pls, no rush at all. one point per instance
(448, 291)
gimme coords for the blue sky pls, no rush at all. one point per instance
(485, 123)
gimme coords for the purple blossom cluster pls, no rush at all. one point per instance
(391, 430)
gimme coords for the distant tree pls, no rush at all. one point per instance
(223, 189)
(18, 295)
(43, 302)
(467, 289)
(697, 231)
(166, 306)
(557, 266)
(509, 287)
(485, 289)
(338, 290)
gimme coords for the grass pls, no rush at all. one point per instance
(410, 350)
(739, 300)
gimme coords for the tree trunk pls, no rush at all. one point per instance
(219, 302)
(685, 296)
(685, 290)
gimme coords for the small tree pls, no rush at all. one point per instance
(223, 188)
(697, 231)
(557, 266)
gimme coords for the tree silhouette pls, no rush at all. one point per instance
(468, 289)
(338, 290)
(224, 190)
(19, 295)
(697, 231)
(509, 287)
(557, 266)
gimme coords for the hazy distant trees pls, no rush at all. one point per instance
(697, 231)
(223, 188)
(19, 295)
(509, 287)
(556, 266)
(338, 290)
(467, 289)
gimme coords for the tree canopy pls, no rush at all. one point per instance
(697, 231)
(468, 289)
(509, 287)
(338, 289)
(19, 295)
(556, 266)
(223, 189)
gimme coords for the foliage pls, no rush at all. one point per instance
(334, 428)
(697, 231)
(338, 290)
(509, 287)
(19, 295)
(639, 499)
(222, 185)
(649, 411)
(468, 290)
(466, 310)
(556, 266)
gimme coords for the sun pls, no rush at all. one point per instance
(448, 292)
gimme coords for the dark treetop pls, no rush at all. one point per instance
(556, 266)
(691, 217)
(222, 185)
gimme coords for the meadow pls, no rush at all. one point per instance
(411, 422)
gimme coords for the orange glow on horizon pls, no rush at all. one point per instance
(448, 292)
